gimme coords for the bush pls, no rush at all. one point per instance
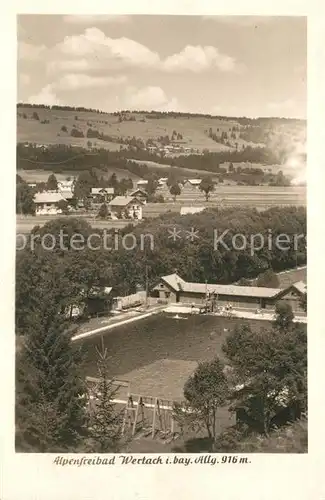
(76, 133)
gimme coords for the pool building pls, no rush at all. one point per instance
(173, 289)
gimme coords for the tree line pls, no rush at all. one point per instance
(125, 270)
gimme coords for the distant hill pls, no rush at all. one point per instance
(64, 125)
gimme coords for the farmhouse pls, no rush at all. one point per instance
(97, 301)
(294, 293)
(68, 195)
(142, 183)
(173, 288)
(192, 183)
(66, 185)
(101, 195)
(140, 195)
(126, 207)
(162, 181)
(47, 203)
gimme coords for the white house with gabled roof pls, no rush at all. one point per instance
(47, 203)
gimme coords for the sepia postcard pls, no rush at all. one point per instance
(155, 280)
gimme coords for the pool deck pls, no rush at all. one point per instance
(120, 320)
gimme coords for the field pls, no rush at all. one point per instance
(41, 175)
(24, 224)
(193, 130)
(190, 172)
(259, 197)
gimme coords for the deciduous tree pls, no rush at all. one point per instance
(175, 190)
(205, 392)
(207, 187)
(270, 372)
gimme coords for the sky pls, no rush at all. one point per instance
(234, 66)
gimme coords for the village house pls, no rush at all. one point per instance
(192, 184)
(48, 203)
(162, 181)
(142, 183)
(66, 185)
(96, 302)
(101, 195)
(294, 293)
(173, 289)
(140, 195)
(126, 207)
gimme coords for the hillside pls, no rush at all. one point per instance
(196, 132)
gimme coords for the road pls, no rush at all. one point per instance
(24, 224)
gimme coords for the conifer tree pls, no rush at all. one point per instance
(105, 419)
(50, 408)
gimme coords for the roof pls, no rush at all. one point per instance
(300, 286)
(108, 190)
(121, 201)
(66, 183)
(142, 181)
(67, 194)
(194, 181)
(177, 283)
(47, 197)
(174, 281)
(140, 191)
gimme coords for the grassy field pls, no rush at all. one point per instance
(42, 175)
(193, 130)
(24, 224)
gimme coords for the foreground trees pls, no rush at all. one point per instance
(205, 392)
(270, 369)
(265, 384)
(105, 421)
(24, 198)
(50, 409)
